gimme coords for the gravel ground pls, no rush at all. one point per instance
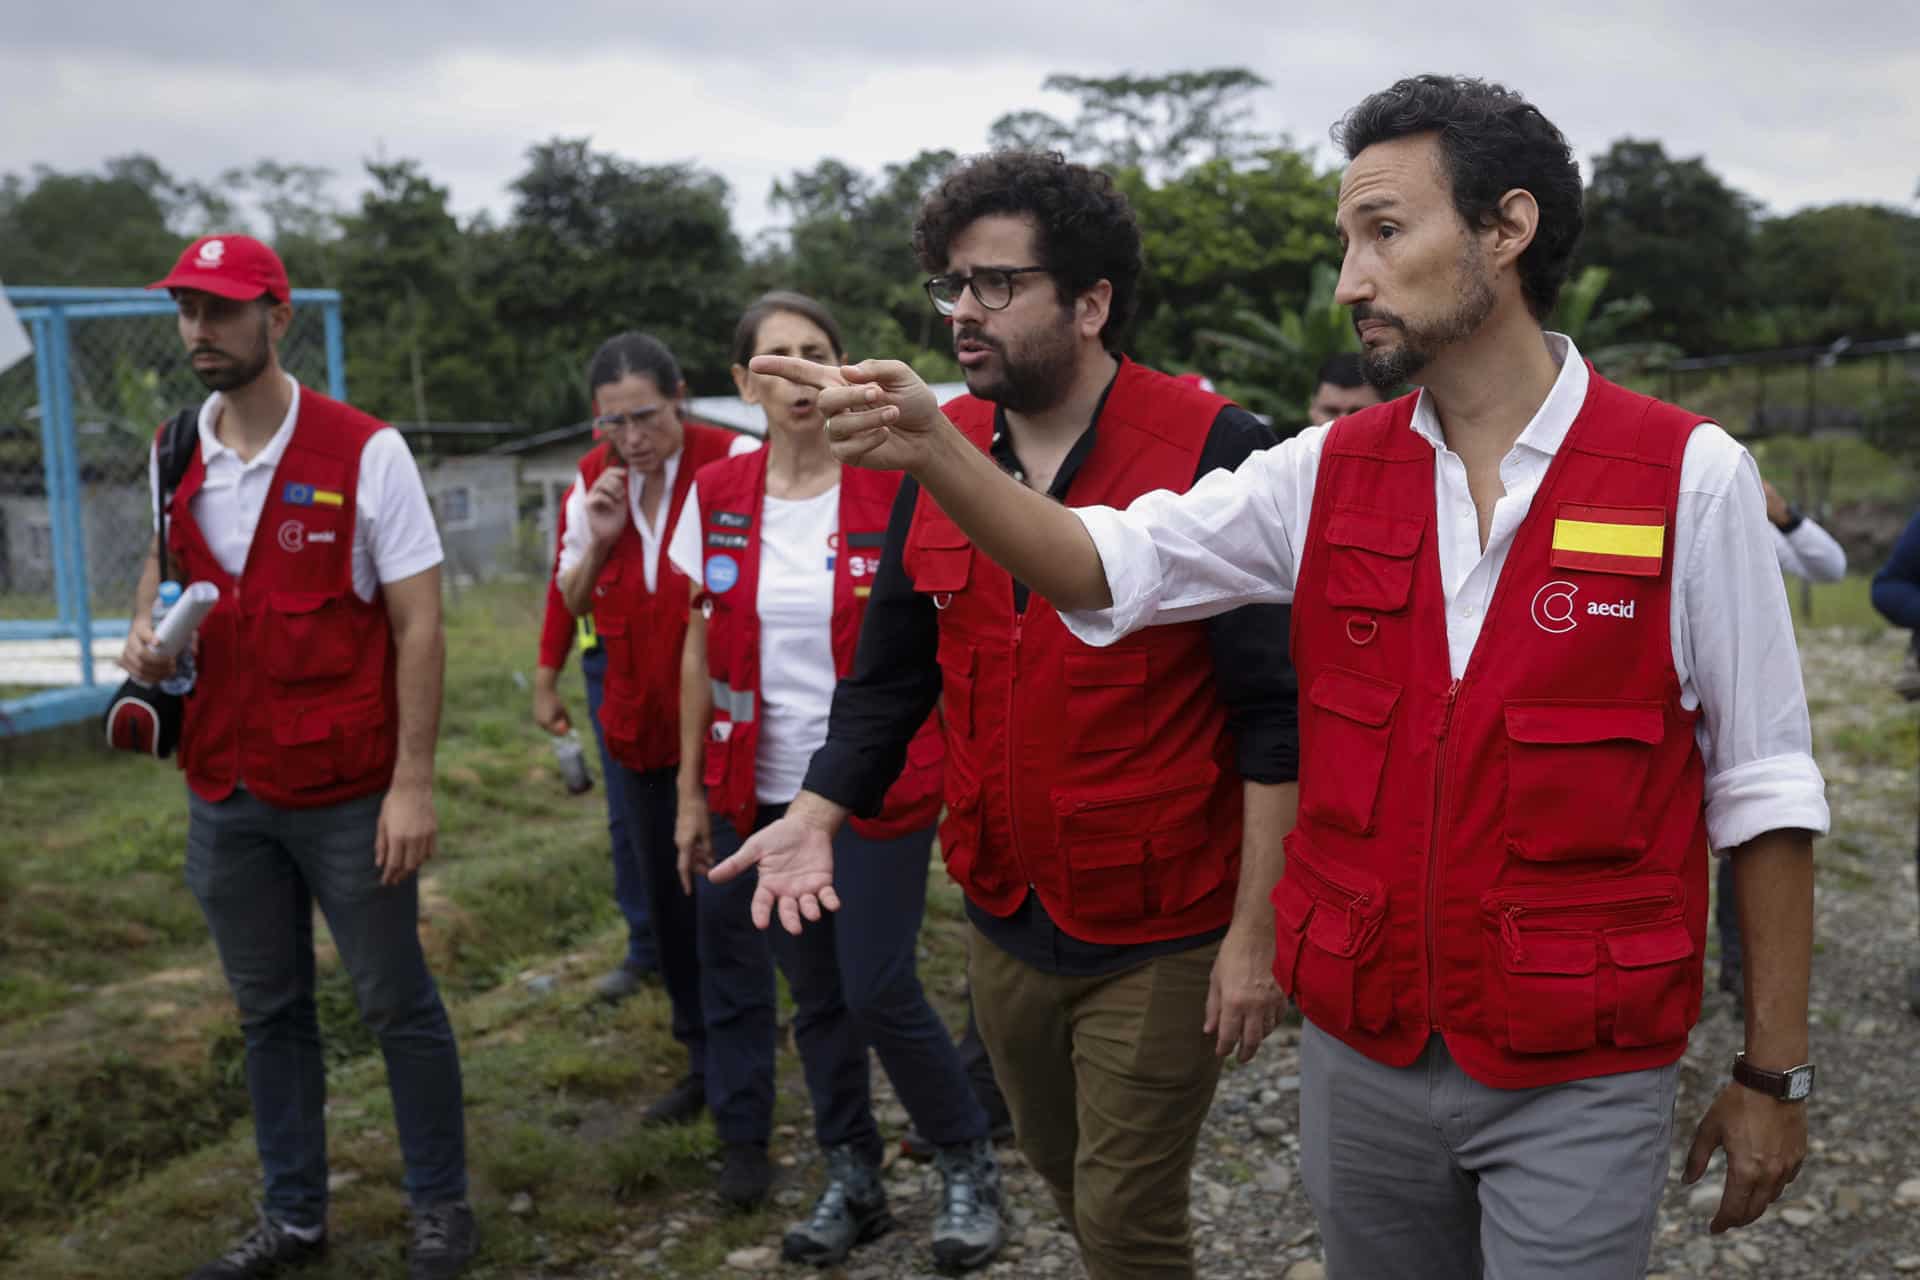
(1855, 1210)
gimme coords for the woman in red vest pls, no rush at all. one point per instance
(782, 546)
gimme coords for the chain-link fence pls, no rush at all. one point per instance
(76, 516)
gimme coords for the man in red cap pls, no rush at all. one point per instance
(308, 746)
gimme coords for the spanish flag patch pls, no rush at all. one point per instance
(1629, 540)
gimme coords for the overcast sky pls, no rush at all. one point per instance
(1794, 103)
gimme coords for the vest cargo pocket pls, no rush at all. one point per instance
(960, 834)
(1370, 560)
(1106, 699)
(1657, 989)
(1576, 772)
(318, 746)
(1330, 950)
(713, 765)
(1578, 965)
(308, 638)
(1128, 845)
(956, 683)
(1344, 747)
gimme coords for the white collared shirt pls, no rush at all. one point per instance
(394, 535)
(1810, 552)
(1235, 538)
(579, 533)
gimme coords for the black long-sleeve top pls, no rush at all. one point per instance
(896, 681)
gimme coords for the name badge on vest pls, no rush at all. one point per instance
(1627, 540)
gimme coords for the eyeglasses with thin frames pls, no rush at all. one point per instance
(650, 419)
(993, 286)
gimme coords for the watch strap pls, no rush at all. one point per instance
(1792, 1085)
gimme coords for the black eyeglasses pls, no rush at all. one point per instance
(993, 286)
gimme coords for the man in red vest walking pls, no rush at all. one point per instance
(308, 745)
(1098, 800)
(1546, 663)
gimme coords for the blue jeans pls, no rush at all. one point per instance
(257, 872)
(855, 984)
(629, 880)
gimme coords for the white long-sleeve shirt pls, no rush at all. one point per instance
(1810, 552)
(1235, 538)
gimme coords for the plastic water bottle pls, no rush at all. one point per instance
(573, 762)
(181, 681)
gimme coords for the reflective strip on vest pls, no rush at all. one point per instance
(736, 703)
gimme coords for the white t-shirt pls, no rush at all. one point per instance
(795, 603)
(394, 535)
(579, 532)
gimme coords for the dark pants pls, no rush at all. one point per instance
(629, 880)
(649, 801)
(257, 872)
(855, 985)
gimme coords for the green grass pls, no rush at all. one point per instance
(124, 1146)
(1847, 603)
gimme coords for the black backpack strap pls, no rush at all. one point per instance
(174, 451)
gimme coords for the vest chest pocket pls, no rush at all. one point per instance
(1577, 966)
(308, 637)
(1370, 560)
(1330, 942)
(1106, 699)
(1344, 747)
(1576, 773)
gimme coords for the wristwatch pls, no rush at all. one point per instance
(1792, 1085)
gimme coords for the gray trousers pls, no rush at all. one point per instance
(1421, 1172)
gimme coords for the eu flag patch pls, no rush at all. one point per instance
(305, 495)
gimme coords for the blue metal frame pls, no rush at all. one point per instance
(47, 312)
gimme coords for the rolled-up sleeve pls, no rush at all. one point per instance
(1736, 652)
(1233, 539)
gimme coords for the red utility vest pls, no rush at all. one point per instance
(295, 689)
(732, 493)
(643, 630)
(1517, 859)
(1101, 779)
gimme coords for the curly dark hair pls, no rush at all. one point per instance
(1493, 140)
(1086, 231)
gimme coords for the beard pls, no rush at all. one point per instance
(1388, 368)
(238, 372)
(1035, 371)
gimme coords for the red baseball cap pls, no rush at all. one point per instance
(237, 267)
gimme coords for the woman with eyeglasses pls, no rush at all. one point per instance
(783, 547)
(613, 565)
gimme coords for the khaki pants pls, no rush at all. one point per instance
(1108, 1080)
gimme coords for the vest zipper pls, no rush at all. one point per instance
(1433, 859)
(1510, 916)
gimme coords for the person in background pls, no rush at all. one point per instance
(308, 745)
(558, 630)
(782, 547)
(613, 567)
(1896, 594)
(1340, 388)
(1114, 816)
(1805, 550)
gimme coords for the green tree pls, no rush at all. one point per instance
(595, 245)
(1844, 270)
(850, 245)
(1672, 232)
(1159, 125)
(1269, 364)
(87, 229)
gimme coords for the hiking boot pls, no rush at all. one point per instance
(967, 1230)
(444, 1240)
(621, 983)
(678, 1105)
(267, 1250)
(745, 1176)
(851, 1210)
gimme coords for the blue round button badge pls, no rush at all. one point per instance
(722, 573)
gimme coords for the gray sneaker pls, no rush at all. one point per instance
(967, 1230)
(851, 1210)
(267, 1250)
(444, 1240)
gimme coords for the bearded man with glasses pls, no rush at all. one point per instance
(1114, 816)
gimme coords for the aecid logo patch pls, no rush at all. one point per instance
(1555, 609)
